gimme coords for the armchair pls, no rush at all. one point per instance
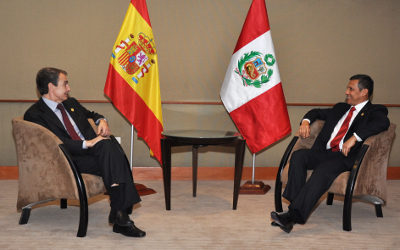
(47, 172)
(366, 180)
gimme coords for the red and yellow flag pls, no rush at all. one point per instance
(132, 81)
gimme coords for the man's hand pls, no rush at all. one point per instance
(304, 130)
(103, 128)
(348, 144)
(93, 142)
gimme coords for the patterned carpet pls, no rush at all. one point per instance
(204, 222)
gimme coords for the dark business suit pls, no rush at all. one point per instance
(104, 159)
(327, 165)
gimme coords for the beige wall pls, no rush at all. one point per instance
(319, 45)
(179, 117)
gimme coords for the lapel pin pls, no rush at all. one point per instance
(362, 114)
(72, 109)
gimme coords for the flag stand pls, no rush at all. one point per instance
(142, 189)
(254, 187)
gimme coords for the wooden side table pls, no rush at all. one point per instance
(200, 138)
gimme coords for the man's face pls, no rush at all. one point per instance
(353, 94)
(59, 93)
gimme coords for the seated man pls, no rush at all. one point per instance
(347, 126)
(92, 153)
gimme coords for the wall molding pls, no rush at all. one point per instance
(204, 173)
(186, 103)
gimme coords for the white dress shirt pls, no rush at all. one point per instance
(53, 106)
(358, 107)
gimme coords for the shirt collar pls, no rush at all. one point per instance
(52, 105)
(359, 106)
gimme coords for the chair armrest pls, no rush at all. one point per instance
(351, 186)
(278, 182)
(285, 158)
(77, 174)
(354, 171)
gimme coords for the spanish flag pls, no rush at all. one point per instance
(132, 82)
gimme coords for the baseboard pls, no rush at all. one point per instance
(204, 173)
(8, 173)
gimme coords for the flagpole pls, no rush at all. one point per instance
(132, 136)
(142, 189)
(254, 187)
(254, 168)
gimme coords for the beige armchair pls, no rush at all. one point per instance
(366, 181)
(47, 172)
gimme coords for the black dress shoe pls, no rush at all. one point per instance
(283, 220)
(121, 218)
(274, 224)
(130, 231)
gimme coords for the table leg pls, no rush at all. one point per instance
(166, 161)
(239, 158)
(195, 151)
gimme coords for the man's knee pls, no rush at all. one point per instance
(299, 156)
(107, 146)
(105, 143)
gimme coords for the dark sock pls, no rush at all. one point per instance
(294, 215)
(115, 199)
(122, 197)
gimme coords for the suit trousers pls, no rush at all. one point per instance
(106, 159)
(304, 194)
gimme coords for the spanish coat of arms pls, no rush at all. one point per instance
(134, 57)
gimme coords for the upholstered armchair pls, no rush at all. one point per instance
(366, 181)
(47, 172)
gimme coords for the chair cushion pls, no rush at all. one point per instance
(94, 184)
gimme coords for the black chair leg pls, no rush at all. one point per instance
(278, 197)
(26, 212)
(347, 214)
(378, 210)
(329, 199)
(63, 203)
(83, 219)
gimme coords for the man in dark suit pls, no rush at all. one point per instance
(347, 126)
(93, 152)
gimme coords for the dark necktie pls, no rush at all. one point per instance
(342, 131)
(68, 124)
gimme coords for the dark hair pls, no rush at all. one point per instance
(46, 76)
(364, 82)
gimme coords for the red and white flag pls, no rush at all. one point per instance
(252, 90)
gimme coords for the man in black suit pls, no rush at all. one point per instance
(93, 153)
(347, 126)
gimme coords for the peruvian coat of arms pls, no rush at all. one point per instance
(253, 68)
(133, 57)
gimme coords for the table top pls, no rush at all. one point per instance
(198, 134)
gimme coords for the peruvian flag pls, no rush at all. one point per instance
(252, 90)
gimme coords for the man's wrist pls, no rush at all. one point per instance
(305, 119)
(98, 121)
(357, 137)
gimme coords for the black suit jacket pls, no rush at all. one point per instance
(41, 114)
(372, 119)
